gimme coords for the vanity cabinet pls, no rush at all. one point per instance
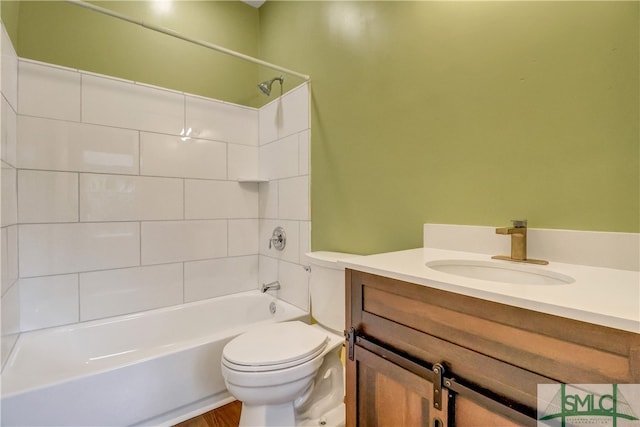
(420, 356)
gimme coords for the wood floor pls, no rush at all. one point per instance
(225, 416)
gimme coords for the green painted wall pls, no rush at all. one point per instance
(9, 11)
(64, 34)
(450, 112)
(464, 113)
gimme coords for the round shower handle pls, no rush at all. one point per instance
(278, 239)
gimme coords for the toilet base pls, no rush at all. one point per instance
(283, 415)
(322, 406)
(336, 417)
(267, 415)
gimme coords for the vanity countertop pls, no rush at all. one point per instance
(603, 296)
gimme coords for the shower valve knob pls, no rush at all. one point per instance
(278, 239)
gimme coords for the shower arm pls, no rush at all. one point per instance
(177, 35)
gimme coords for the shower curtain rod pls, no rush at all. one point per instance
(175, 34)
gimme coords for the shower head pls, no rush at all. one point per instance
(265, 87)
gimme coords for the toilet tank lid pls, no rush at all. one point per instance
(328, 259)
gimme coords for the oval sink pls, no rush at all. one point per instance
(500, 272)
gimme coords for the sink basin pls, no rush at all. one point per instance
(496, 271)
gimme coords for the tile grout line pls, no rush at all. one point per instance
(139, 153)
(79, 217)
(81, 89)
(103, 270)
(140, 243)
(79, 296)
(184, 216)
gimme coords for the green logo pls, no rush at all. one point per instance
(587, 404)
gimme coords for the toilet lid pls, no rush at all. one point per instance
(274, 346)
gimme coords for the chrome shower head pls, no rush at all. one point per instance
(265, 87)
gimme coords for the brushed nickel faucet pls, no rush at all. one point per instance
(518, 243)
(267, 286)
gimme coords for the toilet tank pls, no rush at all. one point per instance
(326, 285)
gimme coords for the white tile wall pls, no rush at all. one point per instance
(284, 138)
(9, 132)
(304, 140)
(174, 241)
(285, 116)
(128, 105)
(117, 213)
(47, 196)
(10, 312)
(268, 271)
(268, 121)
(9, 253)
(9, 81)
(269, 200)
(279, 159)
(113, 292)
(293, 198)
(48, 301)
(212, 278)
(219, 121)
(9, 202)
(10, 302)
(46, 91)
(166, 155)
(220, 199)
(295, 112)
(130, 198)
(305, 241)
(294, 284)
(242, 162)
(67, 146)
(46, 249)
(11, 268)
(9, 340)
(243, 236)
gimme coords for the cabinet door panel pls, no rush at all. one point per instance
(388, 395)
(470, 414)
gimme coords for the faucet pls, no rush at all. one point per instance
(518, 243)
(267, 286)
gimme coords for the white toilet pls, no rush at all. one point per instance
(290, 373)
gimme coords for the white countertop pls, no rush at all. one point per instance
(603, 296)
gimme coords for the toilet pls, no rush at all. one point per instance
(290, 373)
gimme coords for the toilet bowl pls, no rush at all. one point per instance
(290, 373)
(282, 387)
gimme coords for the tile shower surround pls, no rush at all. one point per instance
(117, 213)
(9, 229)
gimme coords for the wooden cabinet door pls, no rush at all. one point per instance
(383, 394)
(387, 389)
(468, 413)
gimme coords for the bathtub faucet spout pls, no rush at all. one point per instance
(267, 286)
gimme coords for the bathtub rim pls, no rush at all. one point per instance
(158, 351)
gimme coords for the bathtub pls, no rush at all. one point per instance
(158, 367)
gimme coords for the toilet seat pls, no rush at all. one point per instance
(274, 346)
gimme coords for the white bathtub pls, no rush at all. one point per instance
(154, 368)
